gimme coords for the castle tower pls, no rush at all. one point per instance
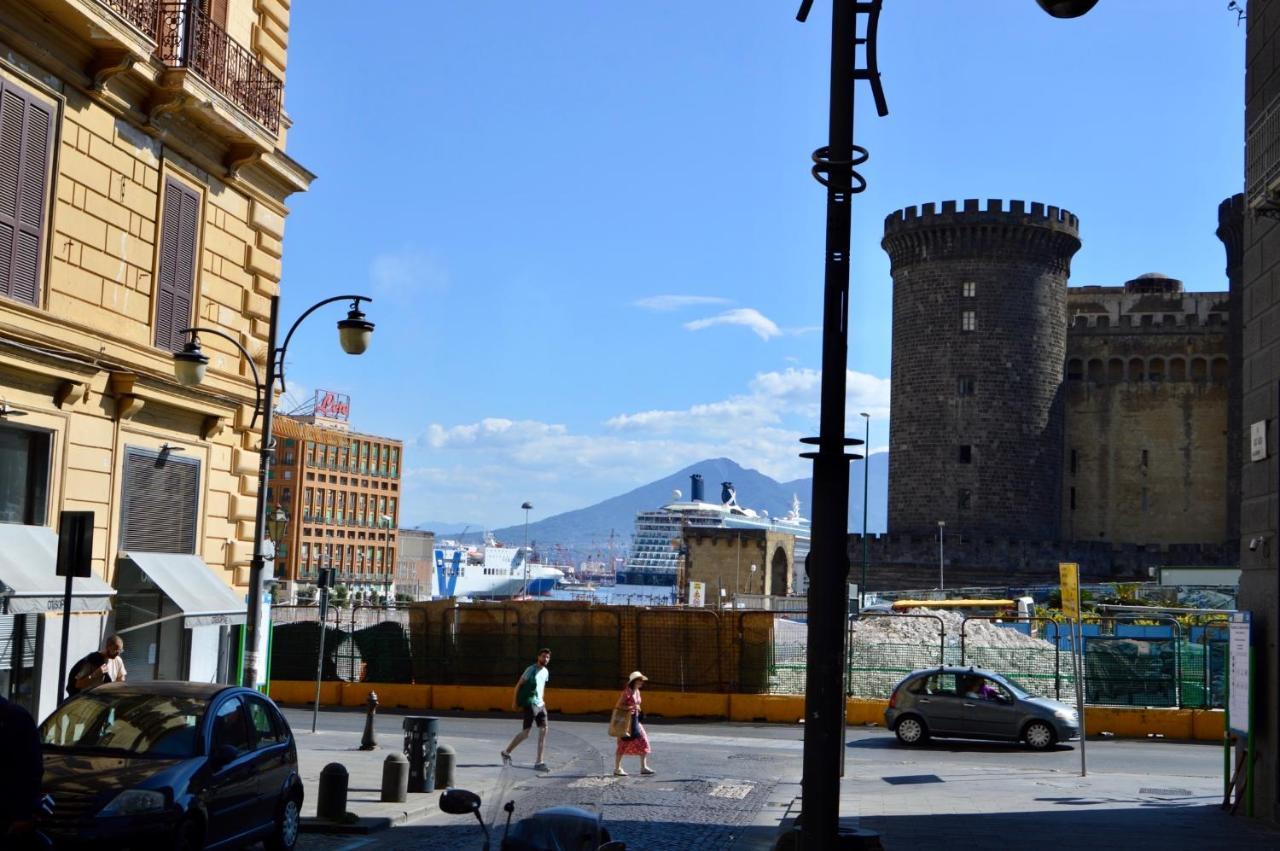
(979, 338)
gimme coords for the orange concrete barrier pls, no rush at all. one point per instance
(861, 711)
(777, 708)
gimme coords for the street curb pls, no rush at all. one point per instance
(371, 824)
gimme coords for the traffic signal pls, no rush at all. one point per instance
(325, 577)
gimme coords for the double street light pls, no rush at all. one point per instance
(190, 366)
(828, 565)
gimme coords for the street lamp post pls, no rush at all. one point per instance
(190, 366)
(527, 506)
(942, 525)
(866, 473)
(828, 563)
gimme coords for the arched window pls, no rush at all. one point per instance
(1177, 369)
(1115, 371)
(1136, 369)
(1155, 369)
(1199, 370)
(1095, 371)
(1219, 370)
(1074, 370)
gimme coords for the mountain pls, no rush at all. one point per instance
(586, 531)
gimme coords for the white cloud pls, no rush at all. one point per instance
(406, 272)
(675, 302)
(748, 317)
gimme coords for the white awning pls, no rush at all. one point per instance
(28, 579)
(192, 586)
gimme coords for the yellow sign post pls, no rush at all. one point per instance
(1069, 579)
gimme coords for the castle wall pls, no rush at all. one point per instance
(723, 559)
(1145, 453)
(979, 339)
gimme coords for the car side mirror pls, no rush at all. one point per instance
(222, 755)
(459, 802)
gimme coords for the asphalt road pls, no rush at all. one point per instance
(714, 777)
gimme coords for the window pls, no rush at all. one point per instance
(1073, 499)
(966, 385)
(229, 728)
(969, 289)
(1145, 504)
(26, 150)
(966, 454)
(965, 498)
(968, 320)
(1075, 461)
(176, 281)
(24, 476)
(160, 497)
(1144, 457)
(266, 731)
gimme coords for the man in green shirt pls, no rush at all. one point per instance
(528, 698)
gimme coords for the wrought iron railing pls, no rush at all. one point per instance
(187, 38)
(140, 13)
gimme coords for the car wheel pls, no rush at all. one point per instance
(910, 730)
(285, 835)
(189, 836)
(1039, 736)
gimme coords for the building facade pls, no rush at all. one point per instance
(1035, 422)
(341, 492)
(143, 180)
(415, 564)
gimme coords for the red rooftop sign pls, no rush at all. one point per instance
(333, 406)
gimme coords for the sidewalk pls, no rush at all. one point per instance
(977, 809)
(475, 770)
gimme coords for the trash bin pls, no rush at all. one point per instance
(420, 732)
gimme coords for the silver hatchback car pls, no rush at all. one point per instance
(970, 703)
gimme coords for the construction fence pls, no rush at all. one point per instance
(740, 651)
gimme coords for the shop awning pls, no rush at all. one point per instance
(28, 579)
(193, 587)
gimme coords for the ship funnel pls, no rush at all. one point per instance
(727, 495)
(695, 487)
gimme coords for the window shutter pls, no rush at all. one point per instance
(175, 283)
(217, 11)
(160, 496)
(26, 142)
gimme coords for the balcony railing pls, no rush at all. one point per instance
(187, 38)
(141, 13)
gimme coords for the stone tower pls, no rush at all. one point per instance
(979, 338)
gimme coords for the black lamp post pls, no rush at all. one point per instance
(828, 562)
(527, 506)
(277, 526)
(190, 365)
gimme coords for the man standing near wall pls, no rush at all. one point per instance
(528, 697)
(101, 666)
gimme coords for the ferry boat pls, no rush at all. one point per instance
(655, 548)
(490, 571)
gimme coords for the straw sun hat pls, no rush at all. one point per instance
(636, 675)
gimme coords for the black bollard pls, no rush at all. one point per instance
(331, 800)
(446, 759)
(395, 778)
(368, 742)
(420, 747)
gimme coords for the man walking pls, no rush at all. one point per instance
(98, 667)
(528, 697)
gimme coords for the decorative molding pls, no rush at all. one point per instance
(239, 156)
(70, 393)
(128, 403)
(212, 426)
(107, 63)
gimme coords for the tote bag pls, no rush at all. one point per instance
(620, 723)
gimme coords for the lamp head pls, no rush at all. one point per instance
(527, 506)
(355, 331)
(277, 523)
(1067, 8)
(190, 364)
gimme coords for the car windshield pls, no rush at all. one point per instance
(152, 725)
(1013, 686)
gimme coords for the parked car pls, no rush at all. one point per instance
(971, 703)
(171, 765)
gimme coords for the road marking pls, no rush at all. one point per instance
(728, 741)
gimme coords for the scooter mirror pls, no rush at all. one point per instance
(459, 802)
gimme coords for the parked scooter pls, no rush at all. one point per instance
(552, 829)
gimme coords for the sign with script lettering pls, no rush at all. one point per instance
(333, 406)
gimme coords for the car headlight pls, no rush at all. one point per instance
(134, 801)
(1066, 714)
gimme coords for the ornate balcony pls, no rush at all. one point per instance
(186, 38)
(141, 13)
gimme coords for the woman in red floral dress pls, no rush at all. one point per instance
(638, 744)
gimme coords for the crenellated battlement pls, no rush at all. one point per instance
(975, 214)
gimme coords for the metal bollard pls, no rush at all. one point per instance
(395, 778)
(446, 759)
(420, 747)
(331, 800)
(367, 741)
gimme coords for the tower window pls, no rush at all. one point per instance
(969, 289)
(965, 498)
(1075, 461)
(1144, 457)
(1073, 499)
(966, 454)
(966, 385)
(968, 320)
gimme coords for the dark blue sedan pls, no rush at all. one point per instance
(173, 765)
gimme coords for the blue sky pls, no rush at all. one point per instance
(594, 247)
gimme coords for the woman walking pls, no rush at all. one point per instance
(637, 743)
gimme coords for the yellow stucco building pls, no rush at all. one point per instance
(143, 187)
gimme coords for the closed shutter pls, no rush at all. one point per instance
(26, 149)
(175, 283)
(217, 11)
(161, 495)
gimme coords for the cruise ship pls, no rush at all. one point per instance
(489, 571)
(655, 548)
